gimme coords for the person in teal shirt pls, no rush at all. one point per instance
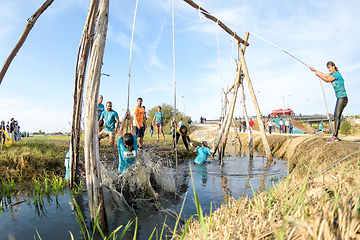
(203, 152)
(338, 84)
(101, 108)
(127, 145)
(67, 167)
(159, 122)
(111, 119)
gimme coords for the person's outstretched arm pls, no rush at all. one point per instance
(324, 76)
(213, 148)
(121, 131)
(132, 131)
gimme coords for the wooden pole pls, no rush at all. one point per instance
(237, 137)
(24, 35)
(233, 100)
(93, 171)
(251, 148)
(256, 105)
(81, 63)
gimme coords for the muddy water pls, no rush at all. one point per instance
(239, 176)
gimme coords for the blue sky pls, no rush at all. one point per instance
(38, 87)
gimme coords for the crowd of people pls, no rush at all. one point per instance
(10, 131)
(128, 144)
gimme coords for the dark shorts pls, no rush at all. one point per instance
(139, 132)
(159, 124)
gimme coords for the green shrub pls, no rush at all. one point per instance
(345, 128)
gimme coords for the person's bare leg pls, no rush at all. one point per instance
(141, 141)
(162, 132)
(112, 140)
(157, 132)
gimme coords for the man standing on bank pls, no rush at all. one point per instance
(139, 121)
(159, 122)
(111, 119)
(337, 82)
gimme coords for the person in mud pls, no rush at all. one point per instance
(101, 108)
(203, 152)
(184, 133)
(159, 122)
(111, 119)
(127, 145)
(338, 83)
(139, 123)
(67, 167)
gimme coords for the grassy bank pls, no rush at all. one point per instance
(306, 205)
(32, 158)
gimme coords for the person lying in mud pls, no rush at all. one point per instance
(337, 82)
(203, 152)
(67, 167)
(184, 133)
(127, 145)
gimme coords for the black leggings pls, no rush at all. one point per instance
(340, 105)
(184, 138)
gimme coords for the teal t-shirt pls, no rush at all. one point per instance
(158, 117)
(339, 85)
(101, 108)
(126, 157)
(67, 166)
(203, 153)
(109, 119)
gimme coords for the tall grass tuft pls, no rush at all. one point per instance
(198, 207)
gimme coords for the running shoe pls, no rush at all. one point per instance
(333, 139)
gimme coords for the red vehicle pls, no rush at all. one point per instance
(280, 111)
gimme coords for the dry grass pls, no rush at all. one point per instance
(325, 207)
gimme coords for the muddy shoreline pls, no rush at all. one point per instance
(308, 204)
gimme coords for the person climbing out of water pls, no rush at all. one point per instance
(67, 167)
(159, 122)
(127, 145)
(184, 133)
(338, 84)
(203, 152)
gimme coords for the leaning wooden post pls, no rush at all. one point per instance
(24, 35)
(233, 100)
(81, 63)
(251, 148)
(257, 109)
(93, 171)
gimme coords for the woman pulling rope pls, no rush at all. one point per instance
(339, 86)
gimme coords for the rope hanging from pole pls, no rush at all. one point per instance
(131, 47)
(173, 32)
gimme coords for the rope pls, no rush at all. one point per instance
(232, 50)
(217, 37)
(131, 47)
(173, 32)
(257, 37)
(162, 27)
(327, 110)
